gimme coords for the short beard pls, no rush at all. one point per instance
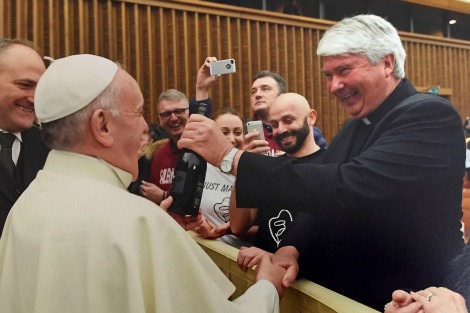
(300, 135)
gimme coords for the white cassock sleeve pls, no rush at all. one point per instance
(261, 297)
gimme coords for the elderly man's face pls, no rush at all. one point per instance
(20, 69)
(359, 85)
(129, 126)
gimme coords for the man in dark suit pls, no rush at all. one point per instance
(20, 69)
(385, 203)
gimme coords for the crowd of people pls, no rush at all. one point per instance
(377, 209)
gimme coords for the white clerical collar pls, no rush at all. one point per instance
(366, 121)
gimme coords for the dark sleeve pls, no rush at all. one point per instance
(194, 104)
(417, 149)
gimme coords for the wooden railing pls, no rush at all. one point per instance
(302, 297)
(163, 44)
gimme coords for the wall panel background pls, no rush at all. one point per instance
(163, 43)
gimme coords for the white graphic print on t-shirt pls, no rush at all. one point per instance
(221, 209)
(278, 225)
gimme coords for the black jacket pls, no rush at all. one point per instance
(385, 203)
(32, 157)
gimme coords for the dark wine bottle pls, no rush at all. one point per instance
(188, 182)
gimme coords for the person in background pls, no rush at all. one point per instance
(157, 132)
(385, 202)
(291, 119)
(466, 194)
(466, 127)
(173, 109)
(291, 7)
(264, 90)
(22, 151)
(173, 112)
(78, 241)
(218, 187)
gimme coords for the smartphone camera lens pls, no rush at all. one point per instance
(228, 66)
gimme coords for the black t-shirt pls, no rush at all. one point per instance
(273, 222)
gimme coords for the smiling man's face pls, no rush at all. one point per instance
(358, 84)
(20, 69)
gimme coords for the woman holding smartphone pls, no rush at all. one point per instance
(218, 186)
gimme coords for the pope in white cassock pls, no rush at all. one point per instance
(77, 241)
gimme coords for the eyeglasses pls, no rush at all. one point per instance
(176, 112)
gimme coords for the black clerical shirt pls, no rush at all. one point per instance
(385, 203)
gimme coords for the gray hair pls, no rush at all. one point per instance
(68, 131)
(368, 35)
(172, 94)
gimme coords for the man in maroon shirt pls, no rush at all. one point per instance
(173, 109)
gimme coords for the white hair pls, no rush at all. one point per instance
(368, 35)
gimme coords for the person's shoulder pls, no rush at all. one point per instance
(162, 148)
(32, 139)
(32, 132)
(126, 215)
(427, 108)
(154, 147)
(427, 101)
(136, 206)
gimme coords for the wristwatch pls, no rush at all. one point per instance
(227, 162)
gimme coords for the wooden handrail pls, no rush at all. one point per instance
(303, 296)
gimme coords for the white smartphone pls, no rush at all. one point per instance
(221, 67)
(255, 126)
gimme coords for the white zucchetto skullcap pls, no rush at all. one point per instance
(70, 84)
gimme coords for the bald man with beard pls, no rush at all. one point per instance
(292, 120)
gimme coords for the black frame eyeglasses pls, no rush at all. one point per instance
(176, 112)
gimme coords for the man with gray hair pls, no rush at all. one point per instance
(173, 109)
(385, 202)
(78, 241)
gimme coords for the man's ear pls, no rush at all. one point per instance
(99, 125)
(389, 64)
(312, 116)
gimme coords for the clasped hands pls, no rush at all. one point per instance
(429, 300)
(280, 268)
